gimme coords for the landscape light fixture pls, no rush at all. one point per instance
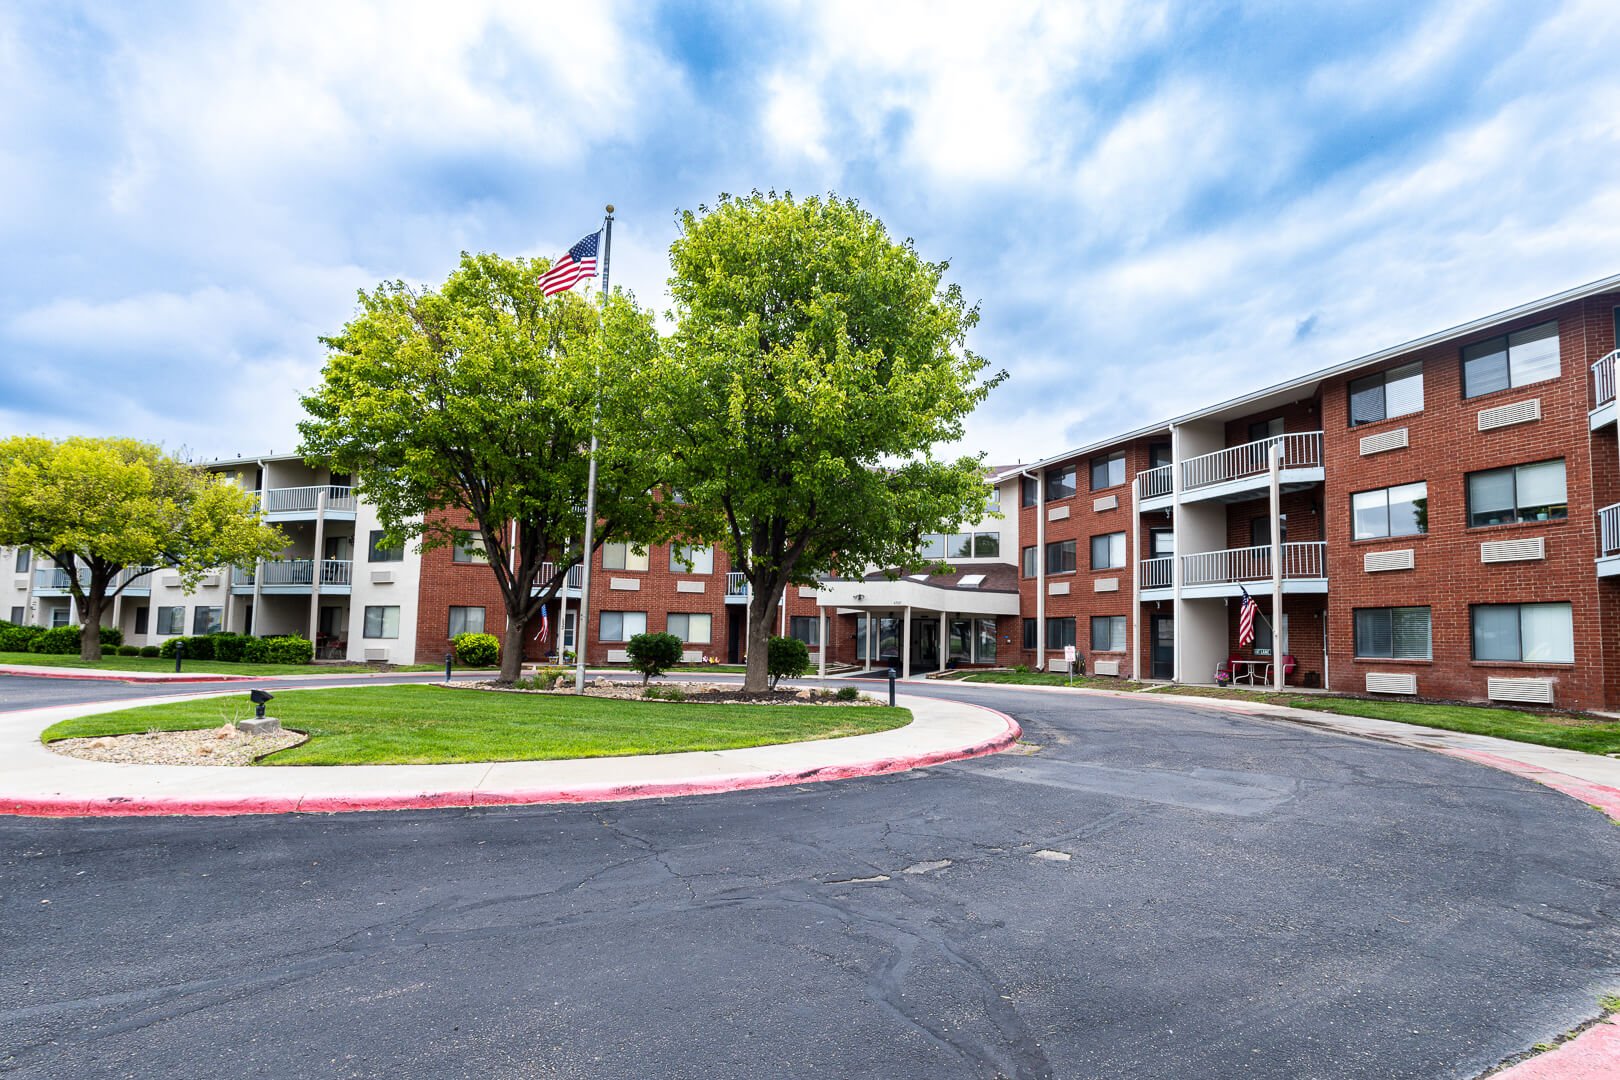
(259, 698)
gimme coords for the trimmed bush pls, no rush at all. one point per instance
(129, 650)
(653, 654)
(788, 657)
(228, 647)
(64, 640)
(166, 650)
(255, 651)
(16, 638)
(290, 649)
(477, 650)
(149, 650)
(200, 647)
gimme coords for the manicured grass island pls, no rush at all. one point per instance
(432, 725)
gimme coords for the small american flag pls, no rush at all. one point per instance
(569, 269)
(1246, 613)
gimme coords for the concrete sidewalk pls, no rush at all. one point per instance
(36, 781)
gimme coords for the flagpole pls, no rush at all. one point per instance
(581, 626)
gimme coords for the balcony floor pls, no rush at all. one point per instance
(1257, 589)
(1246, 488)
(1608, 566)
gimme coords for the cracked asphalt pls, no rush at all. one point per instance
(1241, 897)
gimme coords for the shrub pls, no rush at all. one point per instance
(200, 647)
(787, 657)
(129, 650)
(63, 640)
(477, 650)
(228, 647)
(847, 693)
(255, 651)
(290, 649)
(664, 693)
(16, 638)
(149, 650)
(653, 654)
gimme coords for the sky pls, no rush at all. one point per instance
(1156, 206)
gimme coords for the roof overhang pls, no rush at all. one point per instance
(869, 595)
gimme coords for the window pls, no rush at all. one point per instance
(933, 546)
(1519, 493)
(622, 557)
(804, 628)
(699, 559)
(1260, 530)
(622, 625)
(205, 620)
(1396, 633)
(1108, 551)
(1029, 561)
(1395, 392)
(466, 620)
(692, 629)
(985, 646)
(1158, 454)
(1029, 491)
(1029, 634)
(1059, 633)
(143, 618)
(1163, 542)
(1528, 356)
(470, 550)
(1266, 429)
(23, 557)
(959, 641)
(1393, 511)
(1107, 471)
(986, 545)
(1108, 633)
(17, 618)
(959, 546)
(382, 621)
(1060, 556)
(59, 617)
(171, 620)
(1059, 483)
(1532, 633)
(379, 553)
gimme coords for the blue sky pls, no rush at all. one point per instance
(1156, 205)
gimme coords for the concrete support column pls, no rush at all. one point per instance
(1278, 645)
(821, 637)
(315, 570)
(905, 645)
(1040, 570)
(944, 639)
(871, 630)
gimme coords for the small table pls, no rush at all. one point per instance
(1246, 670)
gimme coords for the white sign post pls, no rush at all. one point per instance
(1069, 656)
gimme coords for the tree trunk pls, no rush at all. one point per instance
(90, 617)
(511, 652)
(760, 618)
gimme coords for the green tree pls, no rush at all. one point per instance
(815, 364)
(653, 654)
(474, 402)
(99, 506)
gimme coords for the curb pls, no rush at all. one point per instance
(1604, 799)
(128, 676)
(1594, 1054)
(120, 806)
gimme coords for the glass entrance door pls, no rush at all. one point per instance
(924, 644)
(1163, 638)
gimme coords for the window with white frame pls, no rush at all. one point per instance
(1387, 394)
(1107, 470)
(381, 621)
(568, 629)
(805, 628)
(694, 629)
(986, 545)
(470, 550)
(1518, 493)
(1108, 633)
(690, 560)
(1108, 551)
(1393, 511)
(1518, 359)
(622, 625)
(24, 556)
(206, 620)
(466, 620)
(171, 620)
(618, 556)
(1393, 633)
(1029, 560)
(1527, 633)
(59, 617)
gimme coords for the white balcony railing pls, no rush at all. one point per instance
(135, 579)
(736, 584)
(1158, 573)
(298, 572)
(55, 579)
(1609, 530)
(1603, 380)
(1153, 483)
(306, 500)
(576, 575)
(1300, 450)
(1234, 565)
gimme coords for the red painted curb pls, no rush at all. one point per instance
(129, 676)
(1606, 799)
(1594, 1054)
(429, 800)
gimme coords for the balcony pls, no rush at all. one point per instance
(53, 581)
(135, 580)
(571, 584)
(294, 576)
(1240, 472)
(1602, 413)
(303, 503)
(736, 588)
(1154, 487)
(1222, 573)
(1159, 573)
(1608, 559)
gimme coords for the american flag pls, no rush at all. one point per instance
(545, 625)
(569, 269)
(1246, 613)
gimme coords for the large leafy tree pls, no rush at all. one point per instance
(815, 364)
(474, 403)
(100, 506)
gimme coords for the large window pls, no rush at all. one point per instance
(622, 557)
(1392, 511)
(1059, 633)
(1108, 633)
(1107, 470)
(1029, 561)
(986, 545)
(1528, 356)
(690, 560)
(985, 646)
(1518, 493)
(19, 613)
(805, 628)
(470, 550)
(974, 545)
(693, 629)
(1030, 634)
(382, 621)
(1059, 483)
(1029, 491)
(1532, 633)
(623, 625)
(1395, 392)
(1266, 429)
(1162, 542)
(1108, 551)
(466, 620)
(171, 620)
(1394, 633)
(379, 553)
(206, 620)
(1158, 454)
(1059, 556)
(24, 555)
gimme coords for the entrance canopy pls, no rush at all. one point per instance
(987, 589)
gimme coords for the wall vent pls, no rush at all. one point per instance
(376, 652)
(1058, 665)
(690, 586)
(1057, 513)
(625, 584)
(1531, 691)
(1105, 667)
(171, 581)
(382, 577)
(691, 656)
(1384, 440)
(1519, 412)
(1107, 502)
(1530, 548)
(1105, 584)
(618, 656)
(1399, 559)
(1057, 588)
(808, 592)
(1391, 682)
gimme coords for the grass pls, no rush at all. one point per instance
(201, 667)
(1048, 678)
(430, 725)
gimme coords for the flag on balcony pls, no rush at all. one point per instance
(545, 626)
(571, 267)
(1246, 613)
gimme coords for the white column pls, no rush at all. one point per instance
(258, 594)
(944, 638)
(1176, 548)
(821, 637)
(315, 570)
(1277, 642)
(562, 617)
(905, 645)
(871, 628)
(1040, 569)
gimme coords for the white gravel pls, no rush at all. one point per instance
(210, 746)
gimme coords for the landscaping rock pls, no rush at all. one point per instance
(211, 746)
(259, 725)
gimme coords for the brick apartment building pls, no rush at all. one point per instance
(1445, 523)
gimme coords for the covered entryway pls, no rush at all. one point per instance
(925, 622)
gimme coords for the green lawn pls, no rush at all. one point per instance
(424, 724)
(203, 667)
(1047, 678)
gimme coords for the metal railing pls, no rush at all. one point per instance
(1152, 483)
(1603, 380)
(55, 579)
(736, 584)
(1609, 530)
(298, 572)
(1300, 450)
(306, 500)
(576, 575)
(1158, 573)
(1228, 567)
(135, 579)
